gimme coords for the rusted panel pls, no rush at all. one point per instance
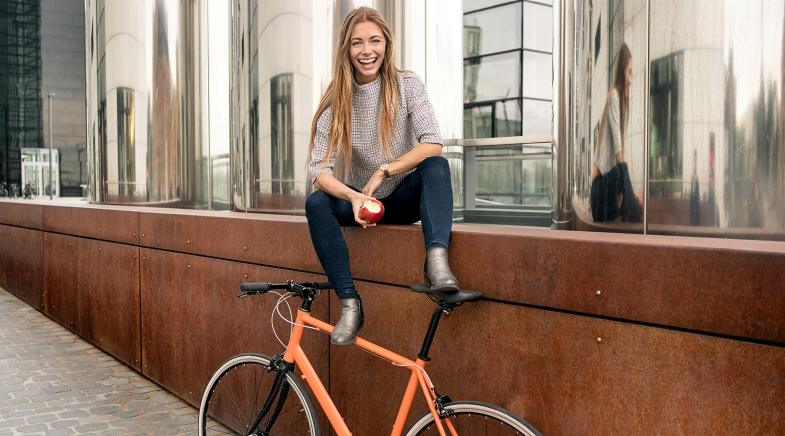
(21, 263)
(109, 313)
(193, 321)
(550, 368)
(387, 253)
(62, 290)
(281, 241)
(97, 222)
(21, 213)
(716, 286)
(732, 291)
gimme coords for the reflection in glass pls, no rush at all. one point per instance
(537, 117)
(282, 134)
(608, 105)
(478, 122)
(537, 75)
(126, 161)
(493, 77)
(493, 30)
(539, 18)
(715, 105)
(716, 148)
(512, 175)
(473, 5)
(665, 143)
(157, 93)
(507, 118)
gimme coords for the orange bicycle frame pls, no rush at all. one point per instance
(295, 354)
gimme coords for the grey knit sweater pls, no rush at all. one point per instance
(414, 124)
(605, 154)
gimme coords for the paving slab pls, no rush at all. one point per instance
(54, 383)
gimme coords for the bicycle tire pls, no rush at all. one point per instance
(474, 418)
(221, 412)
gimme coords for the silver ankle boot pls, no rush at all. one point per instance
(438, 276)
(352, 317)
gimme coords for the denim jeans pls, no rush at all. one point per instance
(423, 195)
(604, 196)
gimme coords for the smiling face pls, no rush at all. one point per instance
(366, 51)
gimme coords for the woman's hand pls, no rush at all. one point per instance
(373, 184)
(357, 200)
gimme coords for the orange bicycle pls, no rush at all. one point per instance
(253, 394)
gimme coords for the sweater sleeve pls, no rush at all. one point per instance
(319, 162)
(614, 122)
(420, 112)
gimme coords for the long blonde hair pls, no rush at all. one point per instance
(338, 96)
(620, 85)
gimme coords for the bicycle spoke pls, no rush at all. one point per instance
(249, 385)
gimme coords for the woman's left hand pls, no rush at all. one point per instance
(376, 179)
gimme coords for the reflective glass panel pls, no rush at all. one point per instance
(537, 76)
(492, 30)
(473, 5)
(538, 27)
(537, 117)
(513, 176)
(508, 118)
(492, 77)
(477, 122)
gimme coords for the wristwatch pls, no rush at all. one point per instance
(385, 169)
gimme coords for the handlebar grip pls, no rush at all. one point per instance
(255, 288)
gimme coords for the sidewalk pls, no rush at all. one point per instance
(54, 383)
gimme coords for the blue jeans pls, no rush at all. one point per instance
(604, 191)
(423, 195)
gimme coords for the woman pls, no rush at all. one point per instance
(612, 194)
(375, 121)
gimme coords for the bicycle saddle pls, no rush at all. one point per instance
(461, 296)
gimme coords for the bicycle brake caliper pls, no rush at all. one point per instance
(278, 364)
(440, 401)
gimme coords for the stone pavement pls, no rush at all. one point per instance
(54, 383)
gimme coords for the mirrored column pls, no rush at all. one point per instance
(145, 94)
(716, 153)
(609, 109)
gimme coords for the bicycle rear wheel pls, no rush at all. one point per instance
(471, 418)
(237, 392)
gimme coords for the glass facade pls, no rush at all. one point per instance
(507, 93)
(20, 88)
(223, 122)
(703, 143)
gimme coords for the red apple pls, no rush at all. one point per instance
(371, 211)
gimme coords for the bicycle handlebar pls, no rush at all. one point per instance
(261, 288)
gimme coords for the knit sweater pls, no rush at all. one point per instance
(414, 124)
(605, 153)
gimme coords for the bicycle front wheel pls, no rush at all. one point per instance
(236, 395)
(471, 418)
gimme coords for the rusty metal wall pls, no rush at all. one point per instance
(21, 263)
(549, 368)
(92, 288)
(693, 336)
(193, 321)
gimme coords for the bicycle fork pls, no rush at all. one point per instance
(279, 391)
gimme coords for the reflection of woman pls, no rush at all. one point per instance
(612, 194)
(377, 121)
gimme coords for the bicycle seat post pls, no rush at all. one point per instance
(441, 308)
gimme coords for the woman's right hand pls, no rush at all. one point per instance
(357, 200)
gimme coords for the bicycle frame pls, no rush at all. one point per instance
(295, 354)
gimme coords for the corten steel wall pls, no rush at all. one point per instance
(685, 335)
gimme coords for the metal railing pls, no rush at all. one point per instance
(469, 192)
